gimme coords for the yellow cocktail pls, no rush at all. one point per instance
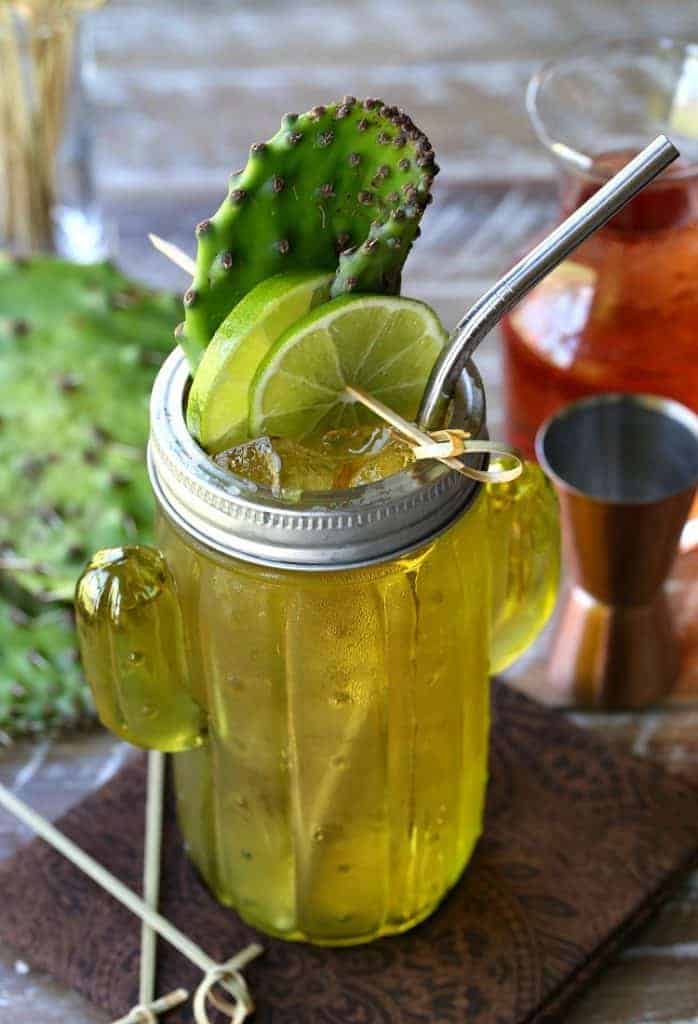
(330, 721)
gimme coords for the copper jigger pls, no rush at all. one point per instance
(625, 468)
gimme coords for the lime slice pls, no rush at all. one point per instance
(381, 343)
(217, 410)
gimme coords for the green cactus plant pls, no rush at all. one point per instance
(341, 187)
(79, 349)
(41, 684)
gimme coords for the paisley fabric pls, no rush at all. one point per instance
(580, 845)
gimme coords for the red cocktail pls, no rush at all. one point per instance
(622, 315)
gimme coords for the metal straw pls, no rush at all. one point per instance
(491, 307)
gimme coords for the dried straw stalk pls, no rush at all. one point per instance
(37, 43)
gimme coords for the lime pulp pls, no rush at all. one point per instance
(382, 344)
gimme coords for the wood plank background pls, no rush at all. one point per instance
(180, 91)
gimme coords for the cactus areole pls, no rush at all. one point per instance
(342, 187)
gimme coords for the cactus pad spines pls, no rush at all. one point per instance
(344, 184)
(375, 265)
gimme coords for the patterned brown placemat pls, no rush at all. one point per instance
(581, 844)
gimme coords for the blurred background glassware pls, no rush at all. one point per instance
(621, 314)
(625, 468)
(48, 198)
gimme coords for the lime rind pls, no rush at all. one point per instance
(218, 406)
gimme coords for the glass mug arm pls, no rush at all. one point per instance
(133, 651)
(525, 557)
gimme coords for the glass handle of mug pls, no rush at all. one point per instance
(525, 556)
(133, 650)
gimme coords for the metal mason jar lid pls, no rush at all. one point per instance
(322, 530)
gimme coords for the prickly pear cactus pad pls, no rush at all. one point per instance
(79, 349)
(41, 683)
(341, 187)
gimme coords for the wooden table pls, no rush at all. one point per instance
(184, 88)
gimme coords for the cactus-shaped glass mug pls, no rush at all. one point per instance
(320, 670)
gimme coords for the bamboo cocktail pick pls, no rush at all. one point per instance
(227, 974)
(148, 1013)
(151, 871)
(444, 445)
(173, 253)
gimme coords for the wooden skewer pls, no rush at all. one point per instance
(403, 426)
(421, 439)
(173, 253)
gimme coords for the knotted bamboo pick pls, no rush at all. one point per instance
(227, 974)
(148, 1013)
(444, 445)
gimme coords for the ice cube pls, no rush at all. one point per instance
(257, 461)
(334, 461)
(393, 457)
(285, 466)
